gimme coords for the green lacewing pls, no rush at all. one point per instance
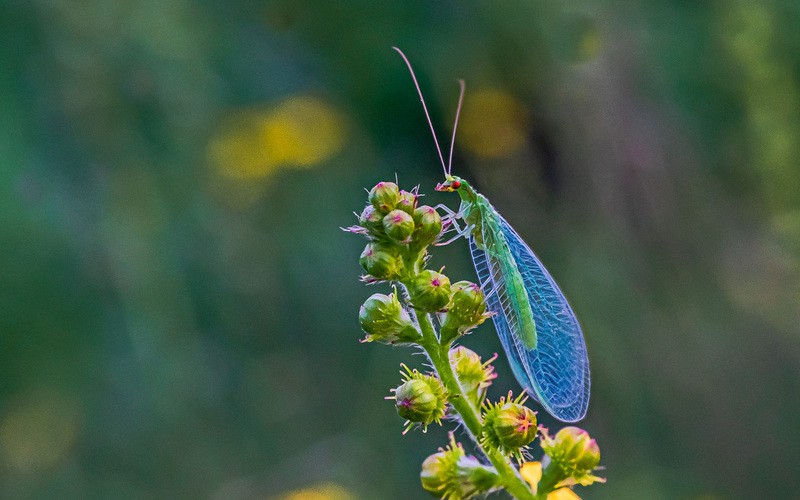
(539, 332)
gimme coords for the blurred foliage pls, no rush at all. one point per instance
(176, 297)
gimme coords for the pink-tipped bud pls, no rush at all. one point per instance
(371, 220)
(408, 202)
(382, 261)
(508, 425)
(398, 225)
(421, 399)
(384, 319)
(429, 291)
(573, 447)
(429, 225)
(515, 425)
(384, 196)
(415, 401)
(574, 455)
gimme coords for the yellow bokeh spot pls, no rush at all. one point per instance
(532, 472)
(324, 491)
(590, 44)
(300, 131)
(38, 430)
(493, 123)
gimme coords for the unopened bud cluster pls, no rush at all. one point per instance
(399, 232)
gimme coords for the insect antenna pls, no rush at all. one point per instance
(455, 126)
(424, 107)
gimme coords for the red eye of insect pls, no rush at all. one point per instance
(455, 184)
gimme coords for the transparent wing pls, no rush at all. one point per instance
(493, 286)
(556, 372)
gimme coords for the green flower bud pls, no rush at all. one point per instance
(371, 220)
(450, 473)
(384, 319)
(384, 196)
(466, 310)
(436, 472)
(429, 291)
(421, 399)
(474, 376)
(398, 226)
(508, 425)
(381, 261)
(408, 202)
(429, 225)
(515, 425)
(415, 401)
(573, 456)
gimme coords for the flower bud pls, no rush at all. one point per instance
(384, 196)
(515, 425)
(415, 401)
(381, 261)
(429, 291)
(436, 472)
(574, 454)
(385, 320)
(450, 473)
(421, 399)
(429, 225)
(371, 220)
(466, 310)
(408, 202)
(508, 425)
(573, 447)
(474, 376)
(398, 225)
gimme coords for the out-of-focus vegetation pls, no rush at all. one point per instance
(176, 299)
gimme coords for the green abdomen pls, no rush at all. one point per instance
(518, 301)
(489, 237)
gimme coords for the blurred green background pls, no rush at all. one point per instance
(178, 305)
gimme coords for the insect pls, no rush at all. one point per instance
(537, 327)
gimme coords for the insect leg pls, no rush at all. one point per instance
(449, 211)
(451, 224)
(464, 232)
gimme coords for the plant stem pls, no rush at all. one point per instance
(550, 478)
(439, 355)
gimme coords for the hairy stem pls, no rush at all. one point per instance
(439, 356)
